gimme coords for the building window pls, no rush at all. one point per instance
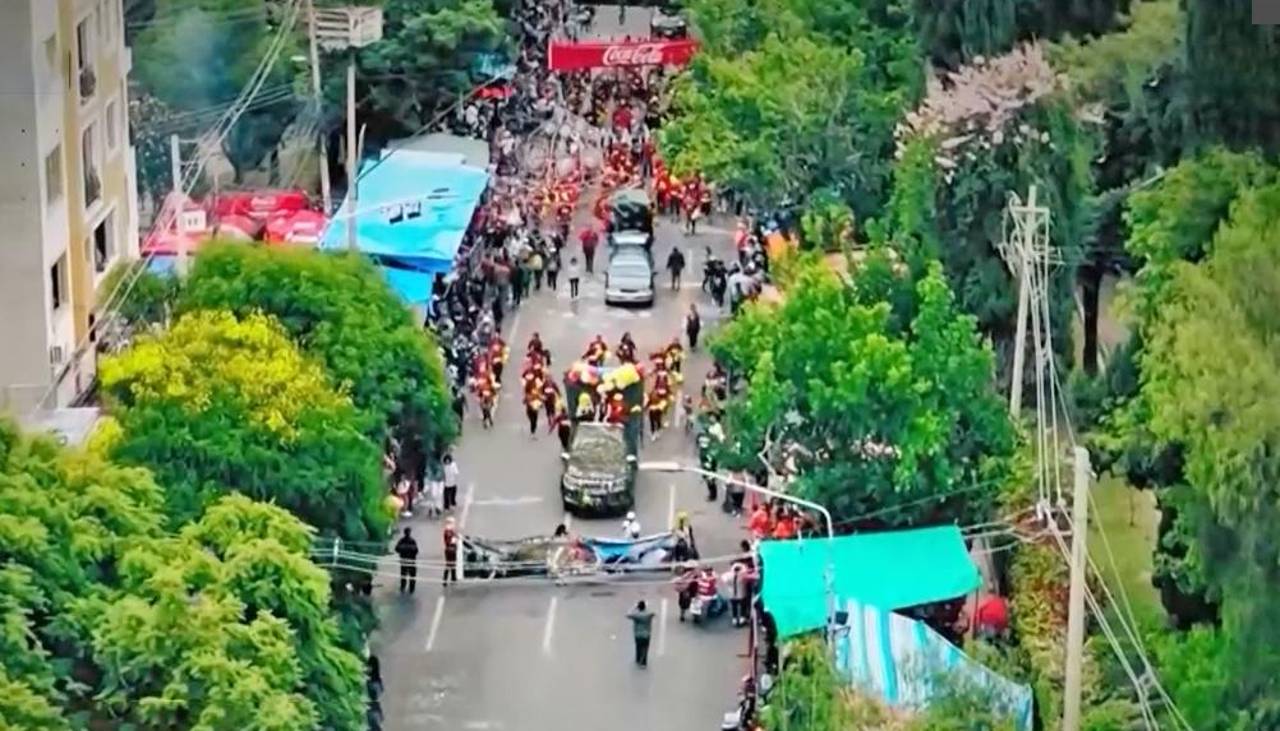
(51, 54)
(89, 158)
(104, 243)
(86, 49)
(58, 288)
(113, 125)
(53, 176)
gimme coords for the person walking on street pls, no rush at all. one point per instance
(675, 265)
(407, 549)
(553, 269)
(692, 325)
(450, 553)
(642, 629)
(574, 272)
(451, 473)
(590, 239)
(536, 267)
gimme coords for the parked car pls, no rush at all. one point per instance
(628, 278)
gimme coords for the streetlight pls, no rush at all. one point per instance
(830, 576)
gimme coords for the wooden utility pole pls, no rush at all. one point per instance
(326, 193)
(1075, 605)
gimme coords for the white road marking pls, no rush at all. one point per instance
(467, 500)
(502, 501)
(550, 626)
(662, 628)
(671, 505)
(435, 623)
(515, 327)
(568, 520)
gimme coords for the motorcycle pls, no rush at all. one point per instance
(707, 608)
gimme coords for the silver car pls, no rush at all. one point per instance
(629, 278)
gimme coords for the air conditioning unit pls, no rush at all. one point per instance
(56, 355)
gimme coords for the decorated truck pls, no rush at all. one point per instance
(606, 410)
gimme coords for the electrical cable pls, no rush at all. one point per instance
(109, 308)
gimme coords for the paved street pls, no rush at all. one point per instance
(528, 655)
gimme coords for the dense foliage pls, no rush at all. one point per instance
(430, 56)
(794, 97)
(111, 620)
(338, 309)
(218, 404)
(884, 383)
(196, 57)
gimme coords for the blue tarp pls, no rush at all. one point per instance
(903, 661)
(414, 208)
(647, 551)
(891, 569)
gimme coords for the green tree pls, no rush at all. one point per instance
(896, 409)
(216, 404)
(340, 311)
(1209, 365)
(425, 61)
(197, 56)
(111, 621)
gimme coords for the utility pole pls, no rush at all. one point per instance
(352, 152)
(326, 193)
(179, 201)
(1075, 605)
(349, 28)
(1029, 244)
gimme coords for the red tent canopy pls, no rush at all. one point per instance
(297, 227)
(238, 227)
(168, 242)
(259, 204)
(568, 56)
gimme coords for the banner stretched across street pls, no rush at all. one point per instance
(568, 56)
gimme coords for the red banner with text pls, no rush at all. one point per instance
(567, 56)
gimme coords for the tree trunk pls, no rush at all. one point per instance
(1091, 286)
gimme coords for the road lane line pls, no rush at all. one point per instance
(662, 627)
(671, 506)
(435, 623)
(515, 327)
(466, 504)
(550, 626)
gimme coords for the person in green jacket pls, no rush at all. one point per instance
(642, 628)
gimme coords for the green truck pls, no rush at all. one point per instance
(599, 469)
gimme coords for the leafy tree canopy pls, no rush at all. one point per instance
(894, 403)
(196, 56)
(1209, 372)
(340, 311)
(112, 621)
(424, 62)
(218, 404)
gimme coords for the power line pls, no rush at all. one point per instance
(208, 142)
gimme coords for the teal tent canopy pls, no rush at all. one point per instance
(890, 570)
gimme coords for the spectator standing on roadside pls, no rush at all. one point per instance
(407, 549)
(451, 474)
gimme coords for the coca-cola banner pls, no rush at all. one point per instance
(566, 56)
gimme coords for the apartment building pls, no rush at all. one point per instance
(68, 202)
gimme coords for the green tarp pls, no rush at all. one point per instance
(889, 570)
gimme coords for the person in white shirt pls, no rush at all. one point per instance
(451, 474)
(631, 526)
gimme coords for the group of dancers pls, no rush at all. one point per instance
(541, 392)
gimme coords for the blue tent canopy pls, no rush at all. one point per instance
(906, 663)
(414, 209)
(891, 570)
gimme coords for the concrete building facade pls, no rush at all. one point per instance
(68, 199)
